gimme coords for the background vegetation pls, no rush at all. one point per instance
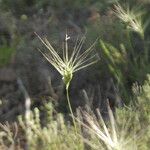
(110, 99)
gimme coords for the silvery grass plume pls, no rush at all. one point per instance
(132, 17)
(69, 64)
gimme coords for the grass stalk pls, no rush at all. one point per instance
(70, 108)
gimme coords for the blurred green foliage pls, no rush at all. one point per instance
(125, 57)
(6, 53)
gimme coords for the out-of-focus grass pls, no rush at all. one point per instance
(126, 61)
(128, 129)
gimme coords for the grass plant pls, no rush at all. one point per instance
(125, 60)
(132, 18)
(69, 64)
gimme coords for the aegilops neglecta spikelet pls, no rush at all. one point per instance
(68, 64)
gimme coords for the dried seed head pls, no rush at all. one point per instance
(68, 64)
(132, 18)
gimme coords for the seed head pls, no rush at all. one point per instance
(132, 17)
(69, 63)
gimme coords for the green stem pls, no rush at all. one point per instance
(146, 51)
(130, 46)
(70, 108)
